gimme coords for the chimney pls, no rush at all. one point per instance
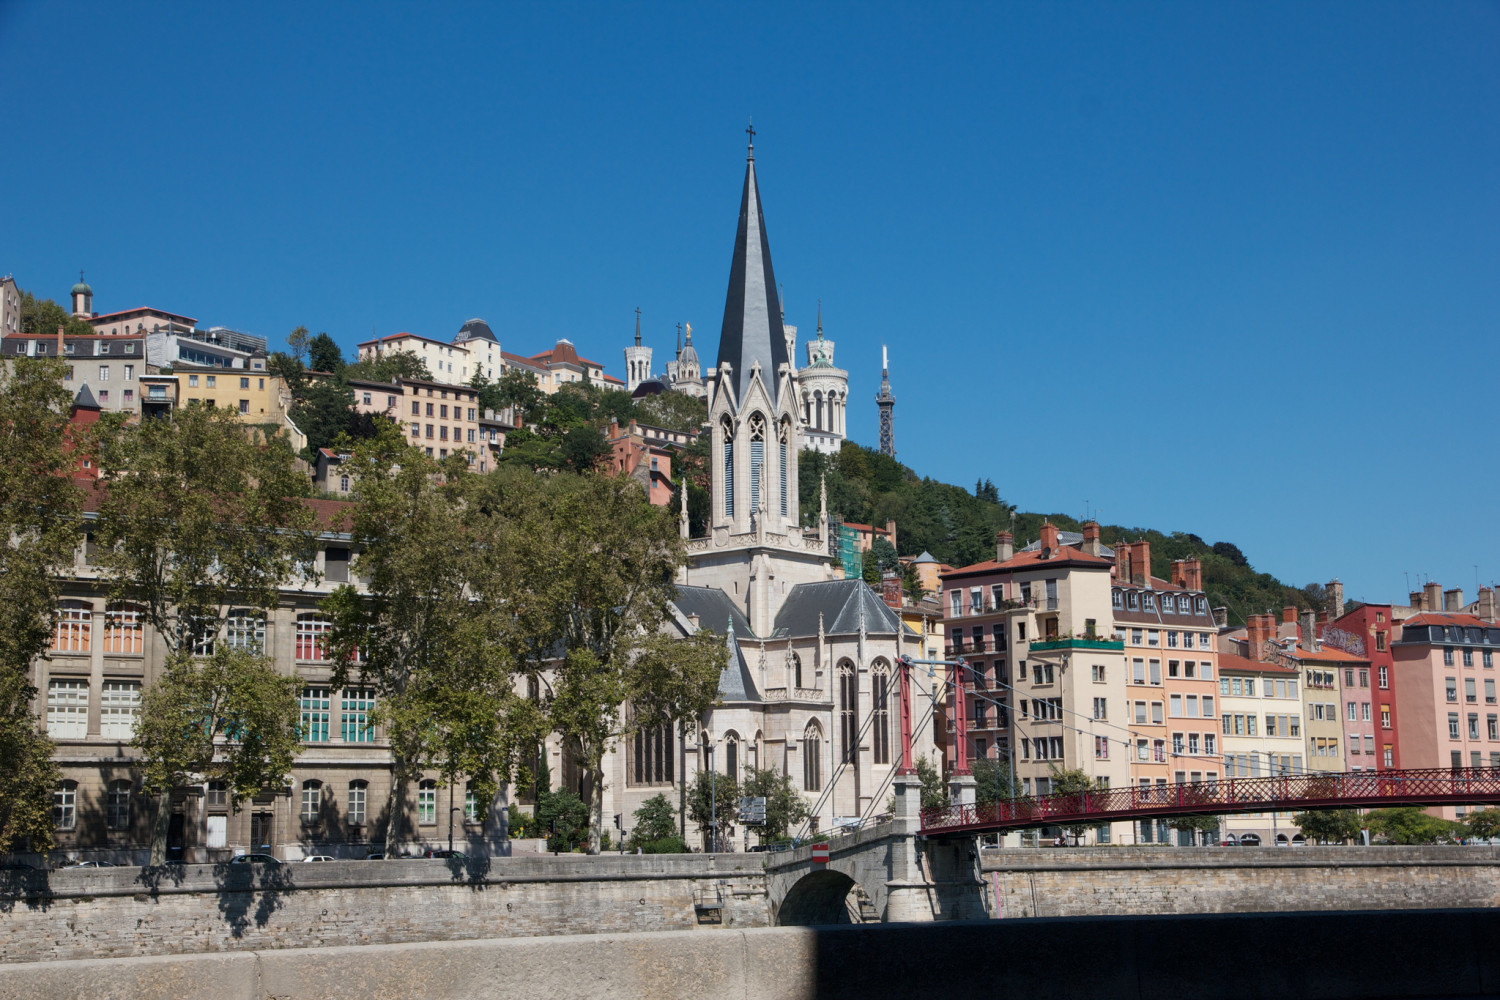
(1310, 631)
(1192, 569)
(1048, 540)
(1140, 563)
(1005, 548)
(1416, 600)
(59, 340)
(1432, 597)
(1179, 578)
(693, 621)
(1257, 631)
(890, 533)
(1335, 591)
(1453, 600)
(890, 588)
(1289, 615)
(1486, 609)
(1221, 617)
(1091, 543)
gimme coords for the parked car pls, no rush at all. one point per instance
(255, 859)
(316, 857)
(375, 856)
(91, 864)
(444, 853)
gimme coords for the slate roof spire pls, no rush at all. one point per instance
(752, 330)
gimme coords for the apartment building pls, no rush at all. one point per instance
(1046, 682)
(442, 419)
(103, 655)
(1260, 736)
(448, 364)
(1367, 631)
(111, 367)
(1168, 631)
(1444, 664)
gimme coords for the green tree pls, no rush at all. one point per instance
(785, 805)
(911, 583)
(1329, 826)
(594, 563)
(883, 554)
(713, 798)
(487, 391)
(298, 340)
(430, 633)
(42, 317)
(323, 355)
(519, 389)
(993, 782)
(870, 572)
(195, 519)
(934, 788)
(1195, 824)
(656, 828)
(387, 367)
(1073, 781)
(1410, 825)
(675, 411)
(324, 409)
(39, 528)
(563, 818)
(1484, 823)
(229, 717)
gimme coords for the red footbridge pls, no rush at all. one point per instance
(1282, 793)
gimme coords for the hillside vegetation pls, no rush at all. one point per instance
(958, 527)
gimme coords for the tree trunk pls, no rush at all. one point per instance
(394, 809)
(159, 829)
(596, 807)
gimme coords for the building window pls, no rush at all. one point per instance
(312, 636)
(119, 703)
(245, 631)
(358, 790)
(474, 810)
(812, 760)
(1447, 656)
(315, 715)
(72, 630)
(1451, 687)
(117, 805)
(65, 805)
(880, 693)
(1385, 675)
(355, 706)
(1453, 725)
(217, 796)
(848, 710)
(244, 406)
(68, 709)
(427, 802)
(123, 631)
(312, 801)
(652, 755)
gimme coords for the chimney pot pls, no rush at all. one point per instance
(1432, 597)
(1289, 614)
(1453, 600)
(1486, 599)
(1005, 548)
(1310, 631)
(1335, 591)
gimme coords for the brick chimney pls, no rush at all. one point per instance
(890, 533)
(890, 588)
(1432, 597)
(1140, 562)
(1486, 609)
(1005, 548)
(1415, 597)
(1091, 543)
(60, 340)
(1179, 577)
(1289, 615)
(1453, 600)
(1258, 628)
(1335, 592)
(1310, 631)
(1048, 540)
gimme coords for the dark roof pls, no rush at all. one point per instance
(649, 387)
(84, 399)
(752, 314)
(840, 603)
(475, 329)
(735, 682)
(714, 609)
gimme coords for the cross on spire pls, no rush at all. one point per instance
(80, 276)
(637, 326)
(750, 131)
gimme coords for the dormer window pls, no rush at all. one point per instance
(1132, 601)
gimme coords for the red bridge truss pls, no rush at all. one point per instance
(1299, 792)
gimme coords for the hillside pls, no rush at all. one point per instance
(958, 527)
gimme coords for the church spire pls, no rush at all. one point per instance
(752, 332)
(887, 404)
(637, 326)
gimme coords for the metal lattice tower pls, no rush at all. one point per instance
(887, 404)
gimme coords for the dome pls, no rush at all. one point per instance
(476, 329)
(688, 357)
(82, 289)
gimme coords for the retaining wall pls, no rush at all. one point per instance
(1325, 956)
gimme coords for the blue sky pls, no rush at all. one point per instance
(1231, 269)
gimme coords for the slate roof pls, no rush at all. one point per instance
(714, 610)
(84, 399)
(752, 329)
(735, 682)
(840, 602)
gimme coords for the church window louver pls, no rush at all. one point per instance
(757, 457)
(728, 435)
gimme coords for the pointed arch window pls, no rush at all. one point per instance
(880, 696)
(812, 758)
(848, 710)
(726, 431)
(732, 755)
(786, 433)
(757, 457)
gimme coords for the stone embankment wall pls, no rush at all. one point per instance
(119, 912)
(1311, 956)
(1077, 882)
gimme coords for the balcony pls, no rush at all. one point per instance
(796, 694)
(1076, 642)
